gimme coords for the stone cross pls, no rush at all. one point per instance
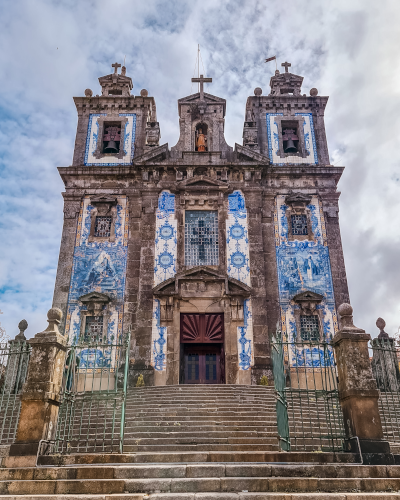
(201, 80)
(286, 65)
(115, 66)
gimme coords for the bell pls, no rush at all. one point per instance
(290, 147)
(111, 147)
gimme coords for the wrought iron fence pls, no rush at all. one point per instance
(385, 367)
(93, 398)
(14, 359)
(309, 415)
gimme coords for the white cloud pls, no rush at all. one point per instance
(54, 50)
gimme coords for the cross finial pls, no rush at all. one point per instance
(286, 65)
(115, 66)
(201, 80)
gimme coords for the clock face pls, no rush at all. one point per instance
(166, 232)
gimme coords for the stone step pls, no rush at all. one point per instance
(194, 485)
(209, 470)
(213, 496)
(200, 457)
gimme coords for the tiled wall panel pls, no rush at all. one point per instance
(238, 267)
(303, 265)
(98, 267)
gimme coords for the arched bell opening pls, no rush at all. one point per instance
(201, 137)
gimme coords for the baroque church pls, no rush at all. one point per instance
(201, 250)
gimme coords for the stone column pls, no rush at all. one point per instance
(40, 393)
(358, 392)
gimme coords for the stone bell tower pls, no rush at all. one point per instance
(201, 248)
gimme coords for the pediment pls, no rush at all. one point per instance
(201, 181)
(158, 153)
(308, 296)
(203, 276)
(298, 199)
(250, 155)
(209, 98)
(95, 297)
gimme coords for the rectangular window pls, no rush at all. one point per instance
(93, 329)
(102, 227)
(201, 238)
(299, 225)
(309, 327)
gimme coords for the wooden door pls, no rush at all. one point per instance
(202, 364)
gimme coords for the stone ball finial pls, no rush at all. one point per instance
(55, 315)
(277, 72)
(22, 325)
(144, 93)
(88, 93)
(380, 323)
(345, 312)
(313, 92)
(123, 71)
(257, 91)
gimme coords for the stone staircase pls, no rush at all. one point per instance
(225, 418)
(202, 443)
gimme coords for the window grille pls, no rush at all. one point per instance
(102, 227)
(201, 238)
(94, 329)
(309, 328)
(299, 225)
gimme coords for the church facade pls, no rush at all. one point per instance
(202, 250)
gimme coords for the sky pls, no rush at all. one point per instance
(54, 50)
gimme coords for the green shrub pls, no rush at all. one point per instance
(263, 380)
(140, 381)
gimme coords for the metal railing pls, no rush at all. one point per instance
(93, 398)
(14, 359)
(309, 415)
(385, 367)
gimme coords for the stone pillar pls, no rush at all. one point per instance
(358, 392)
(40, 393)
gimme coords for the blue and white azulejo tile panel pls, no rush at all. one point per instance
(245, 338)
(303, 266)
(165, 238)
(309, 138)
(98, 267)
(237, 239)
(158, 339)
(128, 141)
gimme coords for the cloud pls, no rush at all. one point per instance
(54, 50)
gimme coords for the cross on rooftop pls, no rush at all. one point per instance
(116, 66)
(201, 80)
(286, 65)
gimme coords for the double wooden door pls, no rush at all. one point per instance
(202, 351)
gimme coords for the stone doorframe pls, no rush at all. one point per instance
(201, 289)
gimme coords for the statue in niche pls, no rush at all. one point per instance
(201, 141)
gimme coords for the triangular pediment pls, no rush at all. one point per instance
(212, 99)
(202, 273)
(201, 181)
(298, 198)
(158, 154)
(308, 296)
(249, 154)
(95, 297)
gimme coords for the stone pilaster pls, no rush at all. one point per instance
(358, 392)
(40, 393)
